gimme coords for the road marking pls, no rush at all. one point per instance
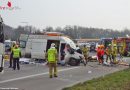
(30, 76)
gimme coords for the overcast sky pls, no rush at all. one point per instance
(113, 14)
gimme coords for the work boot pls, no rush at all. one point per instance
(55, 76)
(85, 64)
(10, 66)
(50, 76)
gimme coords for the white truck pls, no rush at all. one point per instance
(37, 45)
(1, 44)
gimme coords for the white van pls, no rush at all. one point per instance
(37, 45)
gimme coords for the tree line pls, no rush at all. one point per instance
(75, 32)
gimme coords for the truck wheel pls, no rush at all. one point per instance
(125, 53)
(73, 62)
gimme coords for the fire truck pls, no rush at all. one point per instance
(125, 42)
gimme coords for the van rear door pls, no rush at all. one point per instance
(38, 48)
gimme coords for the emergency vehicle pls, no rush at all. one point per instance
(125, 43)
(1, 45)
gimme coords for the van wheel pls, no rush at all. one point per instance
(73, 62)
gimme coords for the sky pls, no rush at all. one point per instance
(107, 14)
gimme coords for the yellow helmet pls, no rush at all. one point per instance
(114, 45)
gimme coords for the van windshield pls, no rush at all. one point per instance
(70, 42)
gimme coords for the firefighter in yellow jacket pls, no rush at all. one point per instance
(85, 52)
(114, 53)
(11, 56)
(16, 56)
(108, 52)
(52, 60)
(121, 51)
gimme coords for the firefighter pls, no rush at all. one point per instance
(108, 52)
(121, 51)
(85, 52)
(114, 53)
(52, 60)
(11, 56)
(16, 53)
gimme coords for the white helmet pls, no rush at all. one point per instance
(53, 45)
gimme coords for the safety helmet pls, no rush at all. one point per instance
(99, 46)
(109, 45)
(114, 45)
(102, 46)
(53, 45)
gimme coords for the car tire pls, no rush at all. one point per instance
(73, 62)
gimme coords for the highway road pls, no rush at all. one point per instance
(35, 76)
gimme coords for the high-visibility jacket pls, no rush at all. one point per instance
(16, 53)
(114, 52)
(52, 55)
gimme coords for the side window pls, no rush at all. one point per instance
(22, 44)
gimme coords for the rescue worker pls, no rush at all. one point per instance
(121, 51)
(85, 52)
(16, 56)
(108, 52)
(114, 53)
(11, 56)
(99, 54)
(102, 53)
(52, 60)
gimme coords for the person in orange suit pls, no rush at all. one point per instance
(99, 54)
(102, 53)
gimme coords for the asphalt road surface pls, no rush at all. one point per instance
(35, 76)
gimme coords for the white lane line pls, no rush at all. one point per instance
(20, 78)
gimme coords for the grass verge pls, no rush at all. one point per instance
(116, 81)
